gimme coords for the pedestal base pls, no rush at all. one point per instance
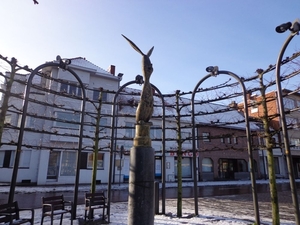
(141, 186)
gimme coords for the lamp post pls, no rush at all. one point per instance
(294, 28)
(214, 71)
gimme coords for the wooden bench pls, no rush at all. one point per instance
(10, 214)
(94, 201)
(56, 205)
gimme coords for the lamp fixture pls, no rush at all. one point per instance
(139, 79)
(283, 27)
(293, 27)
(120, 75)
(214, 70)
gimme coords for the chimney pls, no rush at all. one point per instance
(112, 69)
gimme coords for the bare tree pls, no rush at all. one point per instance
(96, 143)
(179, 157)
(268, 137)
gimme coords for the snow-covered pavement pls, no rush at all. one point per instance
(233, 209)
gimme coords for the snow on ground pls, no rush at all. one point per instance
(119, 210)
(4, 188)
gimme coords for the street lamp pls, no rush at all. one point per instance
(214, 71)
(294, 28)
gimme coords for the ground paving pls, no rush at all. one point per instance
(242, 204)
(230, 206)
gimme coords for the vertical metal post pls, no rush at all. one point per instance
(284, 130)
(77, 177)
(121, 158)
(156, 201)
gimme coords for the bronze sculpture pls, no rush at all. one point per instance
(145, 107)
(141, 175)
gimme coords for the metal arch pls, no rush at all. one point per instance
(254, 192)
(112, 140)
(284, 129)
(194, 142)
(163, 150)
(62, 65)
(249, 144)
(138, 80)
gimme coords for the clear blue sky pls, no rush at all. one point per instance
(187, 35)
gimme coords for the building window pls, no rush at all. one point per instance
(71, 89)
(102, 125)
(207, 165)
(129, 130)
(155, 132)
(298, 103)
(119, 163)
(254, 106)
(222, 140)
(25, 158)
(295, 142)
(67, 120)
(290, 121)
(206, 137)
(68, 164)
(2, 154)
(288, 103)
(276, 165)
(229, 140)
(7, 119)
(96, 95)
(186, 136)
(7, 158)
(30, 121)
(186, 165)
(100, 160)
(242, 165)
(235, 140)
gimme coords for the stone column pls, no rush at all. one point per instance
(141, 178)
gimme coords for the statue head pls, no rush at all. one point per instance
(146, 63)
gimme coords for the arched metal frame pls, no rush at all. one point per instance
(163, 125)
(63, 65)
(248, 134)
(284, 128)
(138, 80)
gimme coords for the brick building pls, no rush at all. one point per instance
(291, 103)
(222, 144)
(226, 150)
